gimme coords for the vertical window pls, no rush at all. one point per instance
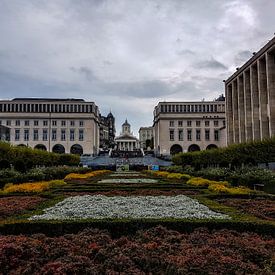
(45, 134)
(53, 134)
(45, 123)
(171, 123)
(216, 123)
(63, 123)
(17, 134)
(81, 123)
(207, 134)
(189, 135)
(72, 123)
(35, 134)
(223, 122)
(206, 123)
(81, 135)
(216, 135)
(26, 134)
(180, 123)
(198, 123)
(36, 123)
(8, 123)
(54, 123)
(198, 134)
(172, 135)
(17, 122)
(63, 134)
(72, 134)
(180, 135)
(189, 123)
(27, 123)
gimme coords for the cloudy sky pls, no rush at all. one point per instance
(127, 55)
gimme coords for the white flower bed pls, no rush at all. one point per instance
(100, 207)
(140, 180)
(125, 175)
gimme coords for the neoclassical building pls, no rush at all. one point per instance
(146, 136)
(250, 98)
(55, 125)
(189, 126)
(126, 141)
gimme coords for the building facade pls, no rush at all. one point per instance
(55, 125)
(107, 131)
(189, 126)
(250, 98)
(146, 137)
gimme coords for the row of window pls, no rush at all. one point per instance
(207, 135)
(47, 108)
(198, 123)
(190, 108)
(45, 123)
(45, 133)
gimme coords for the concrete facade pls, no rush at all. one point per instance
(63, 125)
(250, 98)
(188, 126)
(145, 133)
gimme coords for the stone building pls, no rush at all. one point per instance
(250, 98)
(107, 131)
(189, 126)
(55, 125)
(146, 137)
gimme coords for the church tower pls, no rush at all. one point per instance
(126, 127)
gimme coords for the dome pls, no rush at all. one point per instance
(126, 123)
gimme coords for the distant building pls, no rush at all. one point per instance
(55, 125)
(107, 131)
(250, 98)
(146, 137)
(189, 126)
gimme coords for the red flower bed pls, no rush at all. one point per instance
(17, 204)
(262, 208)
(154, 251)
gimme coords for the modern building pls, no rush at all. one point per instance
(250, 98)
(146, 137)
(107, 131)
(126, 141)
(55, 125)
(189, 126)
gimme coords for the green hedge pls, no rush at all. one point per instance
(235, 155)
(24, 158)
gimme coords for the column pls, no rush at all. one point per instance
(247, 106)
(264, 121)
(270, 68)
(229, 113)
(235, 112)
(241, 113)
(255, 102)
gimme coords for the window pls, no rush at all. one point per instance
(63, 123)
(198, 123)
(180, 123)
(216, 135)
(54, 123)
(36, 123)
(81, 135)
(17, 134)
(172, 135)
(35, 134)
(180, 134)
(206, 123)
(26, 134)
(53, 134)
(72, 134)
(27, 123)
(45, 123)
(189, 123)
(198, 134)
(17, 122)
(216, 123)
(45, 134)
(223, 122)
(207, 134)
(8, 123)
(81, 123)
(171, 123)
(189, 135)
(0, 122)
(63, 134)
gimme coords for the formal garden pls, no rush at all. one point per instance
(181, 220)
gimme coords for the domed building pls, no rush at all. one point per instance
(126, 141)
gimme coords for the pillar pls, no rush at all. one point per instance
(229, 113)
(235, 112)
(247, 106)
(240, 87)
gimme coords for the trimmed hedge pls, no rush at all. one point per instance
(234, 155)
(24, 158)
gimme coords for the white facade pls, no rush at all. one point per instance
(63, 125)
(145, 133)
(188, 126)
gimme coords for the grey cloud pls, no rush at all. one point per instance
(85, 71)
(210, 64)
(242, 57)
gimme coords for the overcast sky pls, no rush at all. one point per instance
(127, 55)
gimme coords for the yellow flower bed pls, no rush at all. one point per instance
(31, 187)
(178, 176)
(74, 176)
(218, 188)
(205, 182)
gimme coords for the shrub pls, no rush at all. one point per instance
(221, 189)
(205, 182)
(178, 176)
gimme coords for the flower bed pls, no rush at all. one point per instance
(15, 205)
(100, 207)
(75, 176)
(262, 208)
(140, 180)
(153, 251)
(125, 175)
